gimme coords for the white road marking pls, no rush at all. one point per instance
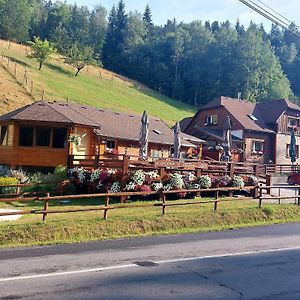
(135, 265)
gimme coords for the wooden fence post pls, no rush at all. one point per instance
(231, 175)
(268, 183)
(46, 207)
(260, 195)
(162, 172)
(106, 205)
(125, 170)
(163, 199)
(216, 200)
(15, 71)
(43, 94)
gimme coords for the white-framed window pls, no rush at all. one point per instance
(257, 147)
(211, 120)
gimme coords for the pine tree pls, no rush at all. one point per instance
(147, 19)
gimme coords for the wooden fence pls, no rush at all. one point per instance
(163, 165)
(163, 203)
(268, 196)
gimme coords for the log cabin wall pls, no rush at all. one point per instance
(16, 155)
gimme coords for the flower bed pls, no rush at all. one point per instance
(111, 180)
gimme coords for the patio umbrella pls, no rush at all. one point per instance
(292, 150)
(227, 140)
(143, 138)
(177, 140)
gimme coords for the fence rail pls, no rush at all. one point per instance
(267, 197)
(107, 197)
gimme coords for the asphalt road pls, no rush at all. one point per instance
(251, 263)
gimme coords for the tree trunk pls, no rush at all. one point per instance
(41, 64)
(78, 70)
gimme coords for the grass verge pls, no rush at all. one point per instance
(131, 222)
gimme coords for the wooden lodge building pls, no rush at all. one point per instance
(260, 131)
(38, 135)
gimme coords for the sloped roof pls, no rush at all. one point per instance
(272, 110)
(51, 112)
(106, 123)
(264, 112)
(184, 123)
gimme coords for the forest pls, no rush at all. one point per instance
(190, 62)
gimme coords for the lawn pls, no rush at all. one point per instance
(94, 86)
(132, 221)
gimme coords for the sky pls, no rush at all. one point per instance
(213, 10)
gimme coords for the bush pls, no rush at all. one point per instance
(8, 181)
(268, 210)
(205, 181)
(238, 181)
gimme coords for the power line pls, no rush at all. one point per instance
(271, 17)
(274, 11)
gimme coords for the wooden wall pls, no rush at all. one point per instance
(221, 112)
(17, 156)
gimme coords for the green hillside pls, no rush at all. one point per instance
(93, 86)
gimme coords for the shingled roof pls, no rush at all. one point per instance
(106, 123)
(265, 113)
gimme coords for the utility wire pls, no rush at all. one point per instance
(274, 11)
(270, 14)
(271, 17)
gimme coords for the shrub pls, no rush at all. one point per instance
(268, 210)
(116, 187)
(205, 181)
(60, 173)
(176, 181)
(138, 177)
(18, 174)
(238, 181)
(8, 181)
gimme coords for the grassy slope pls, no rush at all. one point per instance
(130, 222)
(94, 86)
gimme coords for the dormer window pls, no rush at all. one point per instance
(252, 117)
(211, 120)
(156, 131)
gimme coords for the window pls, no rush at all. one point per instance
(257, 147)
(26, 136)
(156, 131)
(293, 122)
(6, 135)
(3, 135)
(59, 138)
(252, 117)
(43, 136)
(288, 151)
(110, 144)
(211, 120)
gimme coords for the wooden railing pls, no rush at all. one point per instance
(278, 169)
(163, 203)
(125, 163)
(268, 196)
